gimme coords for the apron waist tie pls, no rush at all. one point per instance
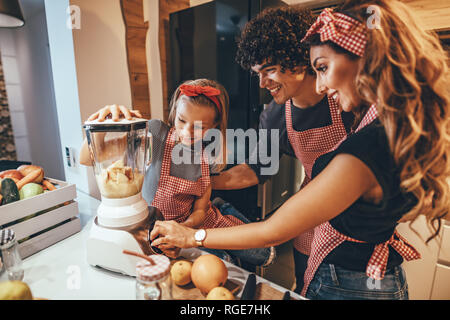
(326, 239)
(376, 267)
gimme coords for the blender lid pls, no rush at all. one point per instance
(121, 125)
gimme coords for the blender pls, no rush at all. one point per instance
(121, 152)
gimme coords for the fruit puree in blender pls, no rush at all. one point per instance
(119, 181)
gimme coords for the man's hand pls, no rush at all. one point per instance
(237, 177)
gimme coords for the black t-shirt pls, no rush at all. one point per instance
(373, 223)
(274, 117)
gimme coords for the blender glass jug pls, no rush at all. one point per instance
(121, 153)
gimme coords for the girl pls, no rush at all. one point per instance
(395, 165)
(181, 189)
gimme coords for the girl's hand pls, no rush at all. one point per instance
(199, 211)
(115, 111)
(169, 234)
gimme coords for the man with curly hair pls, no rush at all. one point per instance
(309, 124)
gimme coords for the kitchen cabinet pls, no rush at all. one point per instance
(444, 252)
(429, 277)
(441, 283)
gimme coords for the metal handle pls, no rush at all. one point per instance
(149, 150)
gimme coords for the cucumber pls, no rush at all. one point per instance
(9, 191)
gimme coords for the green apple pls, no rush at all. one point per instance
(30, 190)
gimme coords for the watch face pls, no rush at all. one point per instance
(200, 235)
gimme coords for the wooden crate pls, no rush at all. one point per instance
(44, 219)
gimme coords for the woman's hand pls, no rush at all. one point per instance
(115, 111)
(169, 234)
(173, 252)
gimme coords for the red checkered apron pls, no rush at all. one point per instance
(175, 196)
(326, 239)
(308, 146)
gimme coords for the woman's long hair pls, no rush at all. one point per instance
(405, 72)
(221, 118)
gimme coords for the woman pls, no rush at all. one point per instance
(394, 167)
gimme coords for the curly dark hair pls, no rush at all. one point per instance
(274, 36)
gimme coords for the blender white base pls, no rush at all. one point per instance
(122, 212)
(105, 246)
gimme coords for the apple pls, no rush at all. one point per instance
(220, 293)
(15, 290)
(30, 190)
(181, 272)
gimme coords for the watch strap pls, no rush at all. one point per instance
(199, 241)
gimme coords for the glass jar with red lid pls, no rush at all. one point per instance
(153, 281)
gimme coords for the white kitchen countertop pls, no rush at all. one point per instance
(61, 271)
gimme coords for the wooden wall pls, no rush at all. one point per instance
(165, 8)
(434, 14)
(136, 33)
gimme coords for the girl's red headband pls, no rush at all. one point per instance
(207, 91)
(341, 29)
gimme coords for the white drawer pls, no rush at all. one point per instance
(441, 284)
(444, 252)
(420, 273)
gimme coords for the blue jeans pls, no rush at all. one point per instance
(249, 258)
(332, 282)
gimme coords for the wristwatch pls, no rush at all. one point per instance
(200, 236)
